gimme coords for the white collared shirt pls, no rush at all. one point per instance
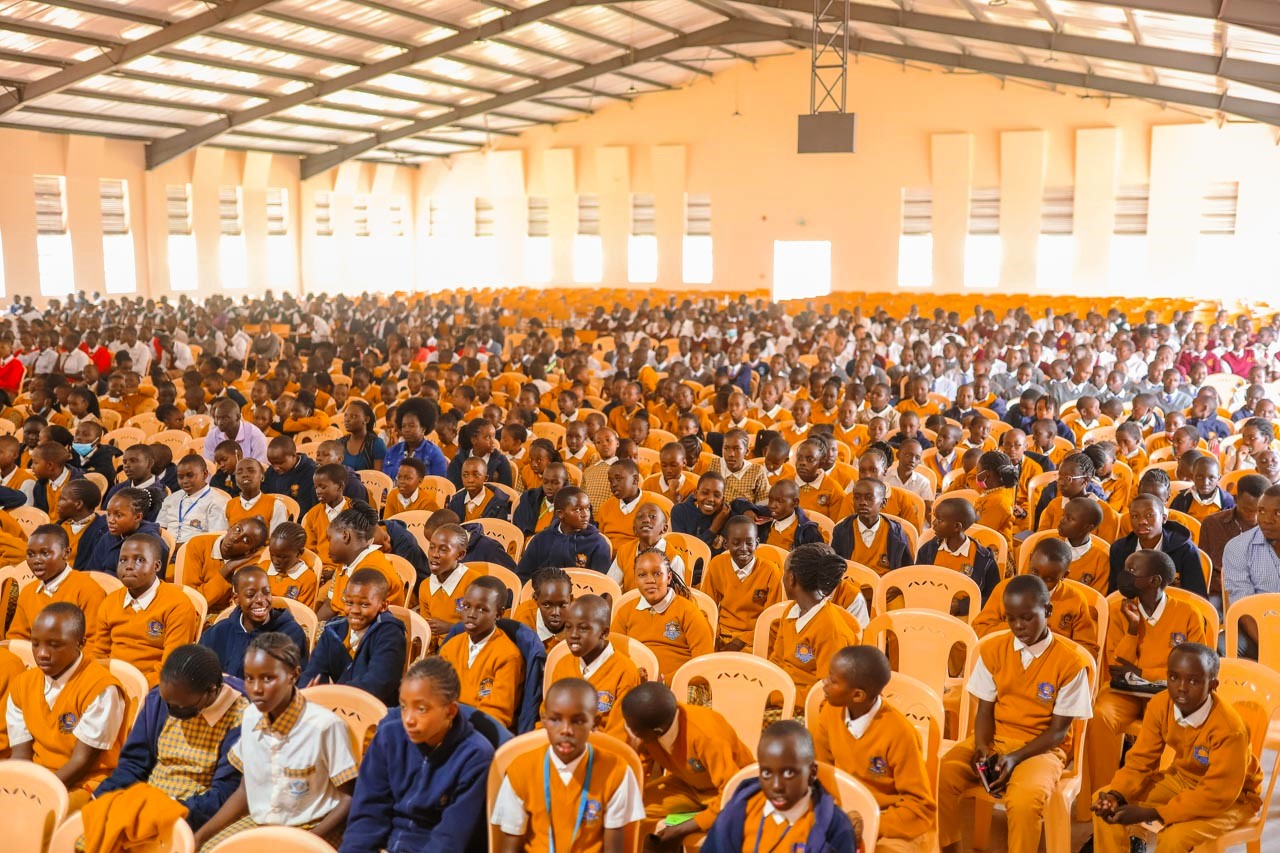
(473, 501)
(661, 606)
(186, 515)
(98, 726)
(1074, 699)
(802, 621)
(1154, 616)
(743, 572)
(450, 582)
(544, 633)
(590, 669)
(142, 602)
(626, 508)
(279, 514)
(1213, 500)
(511, 813)
(475, 647)
(858, 726)
(962, 551)
(781, 525)
(792, 814)
(1196, 718)
(1078, 552)
(346, 570)
(51, 586)
(868, 534)
(334, 511)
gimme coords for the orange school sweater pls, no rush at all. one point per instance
(677, 635)
(144, 638)
(372, 560)
(792, 837)
(1108, 531)
(888, 760)
(203, 572)
(1025, 696)
(441, 604)
(1149, 648)
(264, 508)
(741, 600)
(303, 589)
(493, 681)
(618, 526)
(52, 728)
(11, 666)
(527, 614)
(706, 754)
(1093, 568)
(626, 558)
(614, 679)
(608, 774)
(316, 523)
(827, 497)
(1072, 616)
(806, 653)
(77, 587)
(875, 555)
(898, 502)
(995, 510)
(674, 492)
(398, 503)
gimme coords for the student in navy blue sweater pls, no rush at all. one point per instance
(477, 439)
(126, 513)
(422, 781)
(571, 542)
(201, 702)
(254, 615)
(364, 649)
(77, 511)
(290, 473)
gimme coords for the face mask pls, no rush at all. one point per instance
(82, 449)
(1127, 586)
(183, 713)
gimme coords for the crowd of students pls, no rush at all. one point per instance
(711, 460)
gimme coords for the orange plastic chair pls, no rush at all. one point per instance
(126, 436)
(1023, 559)
(34, 802)
(741, 686)
(930, 636)
(71, 829)
(1035, 486)
(135, 688)
(179, 441)
(29, 518)
(506, 534)
(415, 521)
(925, 587)
(272, 839)
(360, 710)
(865, 577)
(198, 602)
(417, 630)
(779, 554)
(697, 549)
(848, 791)
(1190, 522)
(439, 488)
(552, 431)
(825, 525)
(508, 578)
(408, 575)
(109, 583)
(1264, 609)
(760, 642)
(908, 529)
(379, 485)
(644, 659)
(180, 561)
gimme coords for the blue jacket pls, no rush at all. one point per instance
(412, 798)
(897, 546)
(1178, 545)
(426, 453)
(101, 461)
(403, 544)
(355, 488)
(493, 731)
(1182, 503)
(803, 532)
(378, 664)
(298, 484)
(832, 830)
(88, 541)
(687, 518)
(535, 661)
(1210, 426)
(585, 549)
(158, 494)
(986, 574)
(1050, 493)
(528, 510)
(106, 551)
(141, 751)
(230, 641)
(499, 505)
(40, 496)
(484, 549)
(11, 498)
(499, 469)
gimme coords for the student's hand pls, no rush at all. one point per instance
(439, 627)
(671, 834)
(1106, 804)
(856, 819)
(1019, 512)
(1132, 613)
(751, 514)
(1119, 669)
(723, 515)
(319, 679)
(733, 646)
(1131, 815)
(1004, 765)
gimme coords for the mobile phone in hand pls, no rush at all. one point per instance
(987, 772)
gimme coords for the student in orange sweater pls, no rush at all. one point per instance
(951, 547)
(874, 465)
(1072, 615)
(1031, 686)
(407, 496)
(998, 479)
(352, 545)
(210, 562)
(488, 663)
(694, 751)
(665, 617)
(1205, 497)
(867, 536)
(818, 492)
(602, 659)
(287, 569)
(440, 597)
(67, 714)
(1090, 563)
(48, 553)
(868, 738)
(252, 501)
(571, 795)
(148, 618)
(49, 465)
(650, 528)
(578, 450)
(330, 481)
(1145, 623)
(742, 582)
(1213, 784)
(78, 517)
(811, 632)
(544, 611)
(673, 480)
(616, 515)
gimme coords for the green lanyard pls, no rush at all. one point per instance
(582, 801)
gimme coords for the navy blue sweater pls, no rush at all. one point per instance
(157, 491)
(585, 549)
(984, 571)
(687, 518)
(230, 641)
(297, 483)
(528, 510)
(377, 666)
(832, 831)
(106, 551)
(485, 549)
(88, 541)
(499, 505)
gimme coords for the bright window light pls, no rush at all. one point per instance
(233, 260)
(482, 265)
(588, 259)
(698, 263)
(537, 260)
(183, 267)
(322, 258)
(801, 269)
(281, 262)
(642, 259)
(1055, 260)
(982, 260)
(2, 285)
(915, 260)
(57, 270)
(118, 263)
(1130, 266)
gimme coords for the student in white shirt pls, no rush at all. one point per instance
(197, 507)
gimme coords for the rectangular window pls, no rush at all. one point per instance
(119, 270)
(697, 261)
(361, 217)
(181, 242)
(484, 217)
(588, 248)
(642, 244)
(233, 256)
(1055, 251)
(53, 241)
(324, 214)
(801, 269)
(537, 245)
(1130, 265)
(397, 217)
(915, 245)
(982, 247)
(1216, 255)
(280, 246)
(277, 211)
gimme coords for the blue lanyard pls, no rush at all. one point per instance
(582, 801)
(182, 516)
(760, 835)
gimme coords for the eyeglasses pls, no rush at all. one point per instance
(1062, 477)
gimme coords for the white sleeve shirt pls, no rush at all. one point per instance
(1075, 699)
(98, 727)
(625, 806)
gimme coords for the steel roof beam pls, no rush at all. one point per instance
(1262, 15)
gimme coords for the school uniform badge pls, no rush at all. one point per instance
(671, 630)
(1176, 639)
(580, 561)
(293, 490)
(1086, 579)
(155, 629)
(804, 652)
(760, 596)
(604, 701)
(593, 810)
(485, 688)
(883, 561)
(1045, 691)
(457, 605)
(878, 766)
(697, 766)
(293, 591)
(1066, 620)
(967, 570)
(1201, 755)
(67, 723)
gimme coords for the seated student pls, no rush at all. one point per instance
(292, 473)
(352, 547)
(601, 659)
(571, 541)
(873, 465)
(440, 596)
(1072, 615)
(1089, 555)
(777, 461)
(1030, 688)
(704, 513)
(997, 509)
(536, 508)
(811, 631)
(1075, 480)
(330, 452)
(48, 552)
(544, 611)
(1204, 417)
(672, 480)
(694, 751)
(480, 547)
(908, 427)
(137, 464)
(253, 614)
(904, 475)
(407, 496)
(781, 521)
(330, 503)
(616, 515)
(125, 515)
(951, 547)
(533, 811)
(1205, 497)
(367, 647)
(13, 475)
(196, 507)
(578, 450)
(284, 738)
(1213, 784)
(423, 777)
(1152, 529)
(227, 456)
(511, 444)
(871, 740)
(250, 501)
(209, 564)
(743, 582)
(89, 454)
(1044, 437)
(478, 440)
(66, 714)
(488, 662)
(1145, 622)
(1221, 527)
(868, 537)
(477, 499)
(817, 491)
(49, 464)
(743, 479)
(287, 570)
(80, 521)
(182, 736)
(786, 807)
(1117, 484)
(797, 430)
(650, 529)
(665, 617)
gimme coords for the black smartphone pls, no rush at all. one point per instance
(987, 772)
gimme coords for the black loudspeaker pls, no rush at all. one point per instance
(826, 133)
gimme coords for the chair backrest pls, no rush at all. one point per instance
(180, 561)
(1098, 605)
(1212, 623)
(439, 488)
(176, 440)
(930, 636)
(379, 485)
(697, 549)
(22, 650)
(779, 554)
(272, 839)
(506, 534)
(1190, 522)
(865, 577)
(741, 687)
(553, 432)
(825, 525)
(29, 518)
(1264, 609)
(125, 436)
(761, 638)
(415, 521)
(851, 794)
(928, 588)
(291, 508)
(109, 583)
(418, 631)
(536, 740)
(1253, 689)
(197, 425)
(361, 711)
(135, 688)
(34, 802)
(644, 659)
(198, 602)
(1036, 485)
(509, 578)
(69, 832)
(585, 582)
(909, 530)
(99, 481)
(408, 575)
